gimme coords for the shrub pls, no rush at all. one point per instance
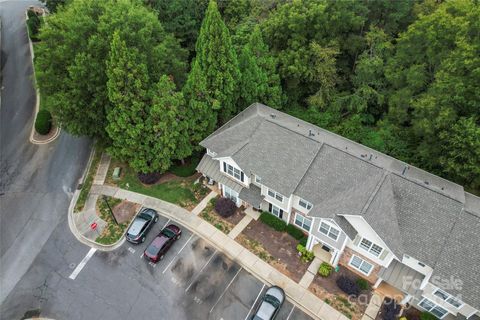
(213, 201)
(33, 24)
(273, 222)
(427, 316)
(225, 207)
(325, 269)
(306, 256)
(43, 123)
(403, 318)
(362, 284)
(295, 232)
(391, 309)
(303, 241)
(348, 286)
(149, 178)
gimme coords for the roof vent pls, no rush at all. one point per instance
(363, 155)
(405, 170)
(273, 116)
(371, 155)
(426, 182)
(310, 133)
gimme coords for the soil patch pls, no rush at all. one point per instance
(281, 246)
(223, 224)
(327, 290)
(124, 211)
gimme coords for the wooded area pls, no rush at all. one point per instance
(153, 78)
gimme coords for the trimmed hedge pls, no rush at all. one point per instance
(362, 284)
(303, 241)
(325, 269)
(348, 286)
(225, 207)
(43, 122)
(273, 222)
(295, 232)
(149, 178)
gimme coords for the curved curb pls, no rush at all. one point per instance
(37, 95)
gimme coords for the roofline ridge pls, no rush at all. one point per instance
(309, 166)
(374, 192)
(447, 238)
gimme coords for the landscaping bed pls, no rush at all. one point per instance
(328, 290)
(87, 183)
(124, 211)
(221, 223)
(182, 191)
(278, 248)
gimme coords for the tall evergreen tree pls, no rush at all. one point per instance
(216, 62)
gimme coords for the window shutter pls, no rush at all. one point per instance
(281, 214)
(224, 167)
(270, 207)
(241, 176)
(356, 241)
(383, 254)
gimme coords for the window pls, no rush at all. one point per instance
(275, 195)
(329, 231)
(232, 171)
(276, 211)
(258, 179)
(303, 222)
(361, 265)
(431, 307)
(370, 247)
(230, 194)
(449, 298)
(304, 204)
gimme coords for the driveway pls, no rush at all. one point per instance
(36, 182)
(193, 281)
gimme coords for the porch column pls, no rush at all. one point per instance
(406, 299)
(310, 242)
(379, 280)
(338, 253)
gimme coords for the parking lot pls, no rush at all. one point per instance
(193, 281)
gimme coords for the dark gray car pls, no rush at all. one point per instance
(270, 305)
(140, 226)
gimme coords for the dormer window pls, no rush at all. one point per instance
(258, 179)
(233, 172)
(275, 195)
(304, 204)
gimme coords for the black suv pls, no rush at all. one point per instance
(141, 225)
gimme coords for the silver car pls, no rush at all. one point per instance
(271, 303)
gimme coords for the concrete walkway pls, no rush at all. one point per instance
(239, 227)
(309, 275)
(199, 208)
(373, 307)
(303, 298)
(102, 170)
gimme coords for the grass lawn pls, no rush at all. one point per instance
(186, 170)
(113, 232)
(180, 191)
(87, 184)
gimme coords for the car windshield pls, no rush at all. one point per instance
(144, 215)
(169, 233)
(272, 300)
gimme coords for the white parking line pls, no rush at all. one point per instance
(82, 264)
(166, 223)
(199, 272)
(291, 311)
(175, 257)
(229, 284)
(255, 302)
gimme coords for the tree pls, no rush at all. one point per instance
(54, 5)
(216, 63)
(70, 60)
(259, 79)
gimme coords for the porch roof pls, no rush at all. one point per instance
(402, 277)
(211, 168)
(252, 195)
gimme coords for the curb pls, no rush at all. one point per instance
(37, 96)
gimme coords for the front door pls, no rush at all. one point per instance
(276, 211)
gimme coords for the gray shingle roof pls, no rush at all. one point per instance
(413, 211)
(397, 273)
(252, 195)
(210, 168)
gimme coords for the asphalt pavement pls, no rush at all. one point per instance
(36, 182)
(193, 281)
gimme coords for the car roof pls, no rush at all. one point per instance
(136, 226)
(156, 244)
(276, 292)
(265, 311)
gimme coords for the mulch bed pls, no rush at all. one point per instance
(125, 210)
(327, 290)
(236, 217)
(281, 246)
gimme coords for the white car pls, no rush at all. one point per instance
(270, 305)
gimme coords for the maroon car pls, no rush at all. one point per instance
(160, 245)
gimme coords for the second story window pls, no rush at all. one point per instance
(232, 171)
(304, 204)
(258, 179)
(275, 195)
(370, 247)
(447, 297)
(329, 231)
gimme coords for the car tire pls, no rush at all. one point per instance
(143, 239)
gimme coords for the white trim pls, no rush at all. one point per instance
(275, 195)
(330, 227)
(449, 296)
(232, 194)
(358, 268)
(308, 205)
(304, 218)
(370, 248)
(435, 305)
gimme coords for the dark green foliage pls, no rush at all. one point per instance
(43, 122)
(33, 23)
(185, 170)
(427, 316)
(54, 5)
(362, 284)
(303, 241)
(273, 222)
(295, 232)
(325, 269)
(149, 178)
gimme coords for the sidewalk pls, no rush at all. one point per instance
(302, 297)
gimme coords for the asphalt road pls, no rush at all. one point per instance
(193, 281)
(36, 182)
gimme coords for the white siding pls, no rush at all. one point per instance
(296, 206)
(285, 205)
(366, 231)
(230, 161)
(413, 263)
(465, 309)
